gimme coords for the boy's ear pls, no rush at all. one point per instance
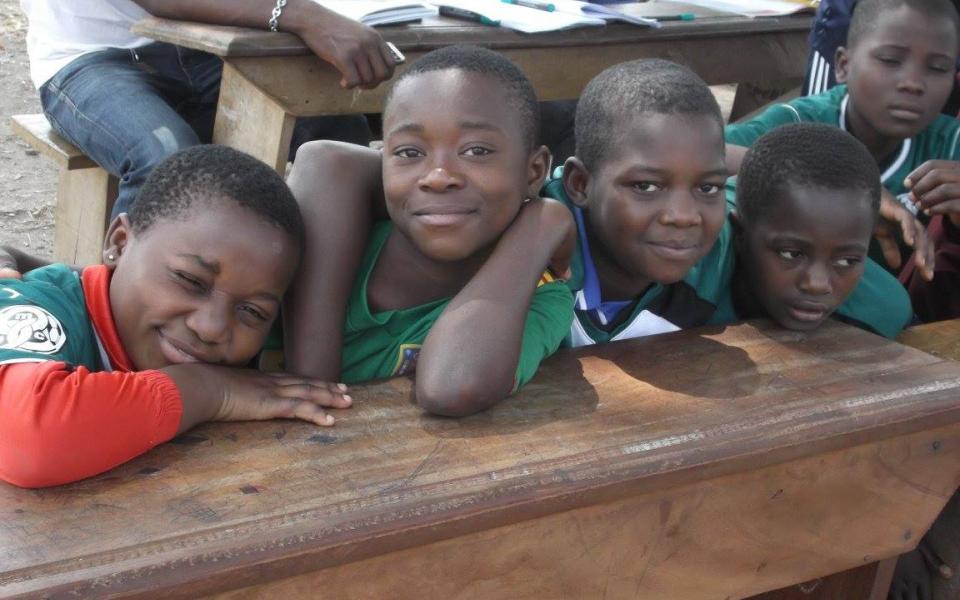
(118, 236)
(538, 168)
(841, 64)
(576, 179)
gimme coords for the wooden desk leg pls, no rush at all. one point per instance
(869, 582)
(753, 95)
(84, 200)
(250, 120)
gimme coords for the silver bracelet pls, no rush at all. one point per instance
(275, 15)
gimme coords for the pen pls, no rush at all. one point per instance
(469, 15)
(680, 17)
(547, 6)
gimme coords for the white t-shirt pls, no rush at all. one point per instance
(62, 30)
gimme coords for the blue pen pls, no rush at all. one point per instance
(546, 6)
(469, 15)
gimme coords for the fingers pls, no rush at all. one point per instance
(944, 192)
(9, 273)
(914, 178)
(891, 251)
(943, 208)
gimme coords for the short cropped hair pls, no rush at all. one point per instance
(628, 89)
(803, 154)
(474, 59)
(215, 174)
(867, 12)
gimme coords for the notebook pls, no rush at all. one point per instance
(600, 11)
(568, 14)
(759, 8)
(381, 12)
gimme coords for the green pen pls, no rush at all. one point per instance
(545, 6)
(468, 15)
(680, 17)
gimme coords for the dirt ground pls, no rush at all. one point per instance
(27, 180)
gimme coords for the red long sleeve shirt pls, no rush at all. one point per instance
(61, 421)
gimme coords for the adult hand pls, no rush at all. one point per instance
(895, 217)
(357, 51)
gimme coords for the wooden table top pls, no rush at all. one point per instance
(228, 503)
(433, 33)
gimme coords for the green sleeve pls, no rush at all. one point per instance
(43, 317)
(747, 132)
(548, 321)
(879, 303)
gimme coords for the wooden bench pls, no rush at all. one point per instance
(85, 193)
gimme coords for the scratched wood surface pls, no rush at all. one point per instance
(676, 435)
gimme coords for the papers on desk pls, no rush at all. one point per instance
(759, 8)
(381, 12)
(568, 14)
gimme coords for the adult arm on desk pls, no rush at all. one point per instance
(357, 51)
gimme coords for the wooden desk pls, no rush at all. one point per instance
(702, 464)
(271, 78)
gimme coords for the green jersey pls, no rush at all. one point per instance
(661, 308)
(878, 304)
(43, 317)
(387, 343)
(940, 140)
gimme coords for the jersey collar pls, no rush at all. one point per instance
(96, 293)
(904, 145)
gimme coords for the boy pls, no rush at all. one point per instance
(98, 368)
(646, 190)
(898, 68)
(449, 286)
(803, 223)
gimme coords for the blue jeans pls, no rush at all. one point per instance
(130, 109)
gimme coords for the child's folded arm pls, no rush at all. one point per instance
(339, 190)
(469, 359)
(60, 424)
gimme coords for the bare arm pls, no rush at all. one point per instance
(339, 189)
(357, 51)
(14, 262)
(468, 361)
(735, 158)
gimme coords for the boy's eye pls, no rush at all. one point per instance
(254, 312)
(889, 60)
(190, 282)
(709, 189)
(477, 151)
(407, 153)
(646, 187)
(847, 262)
(789, 254)
(941, 68)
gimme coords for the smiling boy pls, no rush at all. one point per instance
(453, 287)
(646, 189)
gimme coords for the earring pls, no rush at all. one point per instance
(110, 257)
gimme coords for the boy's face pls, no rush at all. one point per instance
(804, 258)
(656, 203)
(899, 74)
(205, 287)
(456, 166)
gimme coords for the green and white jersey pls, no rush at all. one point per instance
(387, 343)
(940, 140)
(43, 317)
(660, 309)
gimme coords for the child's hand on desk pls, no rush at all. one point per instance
(214, 393)
(935, 188)
(895, 217)
(8, 265)
(357, 51)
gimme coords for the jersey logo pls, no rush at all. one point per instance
(30, 329)
(406, 359)
(908, 203)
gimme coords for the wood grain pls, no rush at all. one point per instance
(675, 448)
